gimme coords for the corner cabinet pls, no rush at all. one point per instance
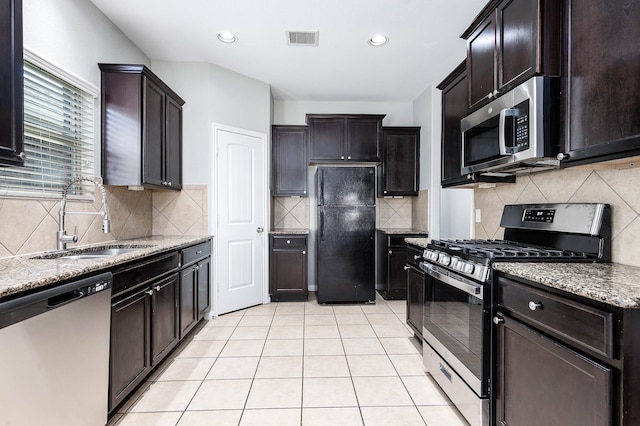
(509, 42)
(289, 160)
(399, 172)
(288, 267)
(344, 137)
(12, 87)
(601, 86)
(141, 129)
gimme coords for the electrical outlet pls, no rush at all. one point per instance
(478, 215)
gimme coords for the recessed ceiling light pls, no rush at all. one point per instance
(227, 37)
(379, 40)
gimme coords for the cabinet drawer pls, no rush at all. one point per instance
(142, 272)
(193, 253)
(289, 241)
(578, 323)
(414, 255)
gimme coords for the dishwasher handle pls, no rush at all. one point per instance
(25, 307)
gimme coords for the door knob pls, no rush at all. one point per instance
(260, 230)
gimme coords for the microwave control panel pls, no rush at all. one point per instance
(521, 133)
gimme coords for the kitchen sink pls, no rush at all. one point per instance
(92, 252)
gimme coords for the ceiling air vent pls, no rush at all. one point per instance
(302, 38)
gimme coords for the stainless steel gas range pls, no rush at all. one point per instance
(459, 293)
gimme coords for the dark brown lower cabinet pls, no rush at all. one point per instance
(129, 362)
(204, 286)
(195, 289)
(188, 300)
(288, 267)
(164, 318)
(542, 382)
(415, 299)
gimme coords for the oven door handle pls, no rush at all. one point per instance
(470, 289)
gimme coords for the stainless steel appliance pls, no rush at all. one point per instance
(54, 361)
(516, 133)
(458, 302)
(346, 215)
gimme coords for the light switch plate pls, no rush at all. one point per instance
(478, 216)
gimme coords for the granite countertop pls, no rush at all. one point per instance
(399, 231)
(614, 284)
(289, 231)
(420, 242)
(24, 273)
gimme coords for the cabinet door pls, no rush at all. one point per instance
(415, 299)
(363, 139)
(164, 318)
(480, 61)
(204, 286)
(327, 139)
(173, 145)
(12, 83)
(603, 89)
(517, 40)
(400, 161)
(153, 133)
(290, 160)
(541, 382)
(454, 109)
(288, 274)
(396, 288)
(130, 339)
(188, 300)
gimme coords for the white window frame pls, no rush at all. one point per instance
(89, 88)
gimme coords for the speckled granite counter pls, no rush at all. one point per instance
(420, 242)
(399, 231)
(610, 283)
(24, 273)
(289, 231)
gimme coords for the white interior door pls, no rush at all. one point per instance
(241, 236)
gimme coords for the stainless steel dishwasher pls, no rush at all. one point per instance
(54, 355)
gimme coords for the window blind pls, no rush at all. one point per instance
(58, 136)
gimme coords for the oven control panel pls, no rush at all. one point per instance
(539, 215)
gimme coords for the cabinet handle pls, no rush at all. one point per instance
(390, 252)
(349, 158)
(22, 156)
(342, 157)
(157, 288)
(562, 156)
(386, 191)
(497, 320)
(196, 267)
(288, 241)
(169, 183)
(535, 305)
(304, 252)
(406, 268)
(417, 256)
(199, 252)
(149, 292)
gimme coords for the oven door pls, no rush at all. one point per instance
(457, 324)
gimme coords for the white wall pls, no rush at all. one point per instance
(293, 112)
(213, 94)
(76, 36)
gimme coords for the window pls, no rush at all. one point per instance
(59, 132)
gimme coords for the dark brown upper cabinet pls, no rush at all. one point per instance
(454, 108)
(399, 172)
(141, 128)
(11, 84)
(601, 107)
(289, 160)
(344, 137)
(509, 42)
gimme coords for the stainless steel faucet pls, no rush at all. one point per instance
(63, 238)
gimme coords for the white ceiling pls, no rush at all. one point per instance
(424, 42)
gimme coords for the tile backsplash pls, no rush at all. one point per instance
(617, 187)
(293, 213)
(181, 212)
(30, 225)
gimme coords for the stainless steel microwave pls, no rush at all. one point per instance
(516, 133)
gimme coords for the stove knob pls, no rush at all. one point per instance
(430, 255)
(468, 268)
(444, 259)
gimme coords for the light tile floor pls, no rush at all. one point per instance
(295, 363)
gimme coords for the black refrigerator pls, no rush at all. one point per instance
(346, 216)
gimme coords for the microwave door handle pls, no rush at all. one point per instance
(506, 114)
